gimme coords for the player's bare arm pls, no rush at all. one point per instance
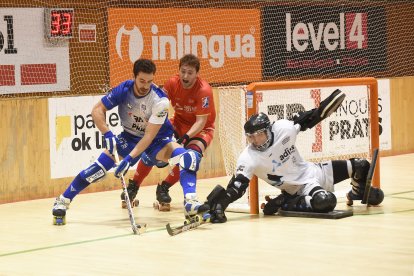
(150, 133)
(98, 115)
(198, 126)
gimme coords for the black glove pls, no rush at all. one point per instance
(273, 204)
(307, 119)
(183, 140)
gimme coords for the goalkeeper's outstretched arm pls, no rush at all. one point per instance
(311, 118)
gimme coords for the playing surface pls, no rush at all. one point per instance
(98, 239)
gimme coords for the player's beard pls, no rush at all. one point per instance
(141, 91)
(144, 91)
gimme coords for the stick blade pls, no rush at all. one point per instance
(139, 228)
(169, 229)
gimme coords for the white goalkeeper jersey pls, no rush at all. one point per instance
(281, 164)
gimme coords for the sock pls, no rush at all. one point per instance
(188, 181)
(141, 172)
(173, 176)
(96, 171)
(77, 185)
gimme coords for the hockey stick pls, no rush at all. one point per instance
(172, 231)
(369, 177)
(136, 228)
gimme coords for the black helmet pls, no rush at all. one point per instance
(256, 123)
(259, 123)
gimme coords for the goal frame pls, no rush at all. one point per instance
(372, 85)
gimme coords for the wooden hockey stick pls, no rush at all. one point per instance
(187, 226)
(369, 177)
(136, 228)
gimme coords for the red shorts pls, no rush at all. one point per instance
(205, 136)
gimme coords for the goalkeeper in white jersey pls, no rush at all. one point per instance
(273, 157)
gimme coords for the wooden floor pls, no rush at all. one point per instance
(97, 239)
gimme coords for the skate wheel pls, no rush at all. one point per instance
(59, 220)
(206, 217)
(267, 198)
(123, 204)
(155, 205)
(262, 205)
(135, 203)
(349, 201)
(164, 207)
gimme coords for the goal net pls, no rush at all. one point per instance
(80, 47)
(345, 134)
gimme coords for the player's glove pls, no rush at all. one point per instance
(183, 140)
(123, 166)
(273, 204)
(110, 141)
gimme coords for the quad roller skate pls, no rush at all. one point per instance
(350, 197)
(359, 177)
(132, 193)
(194, 210)
(163, 198)
(59, 210)
(202, 218)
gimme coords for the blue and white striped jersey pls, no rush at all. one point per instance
(136, 112)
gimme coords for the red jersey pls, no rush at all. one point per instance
(189, 103)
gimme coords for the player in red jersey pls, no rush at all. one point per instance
(193, 122)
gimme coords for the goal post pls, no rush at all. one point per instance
(349, 132)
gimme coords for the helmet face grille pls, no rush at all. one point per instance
(259, 123)
(266, 144)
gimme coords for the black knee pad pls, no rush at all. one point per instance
(323, 201)
(360, 168)
(376, 196)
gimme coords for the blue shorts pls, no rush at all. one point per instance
(127, 143)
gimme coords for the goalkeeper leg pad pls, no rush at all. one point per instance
(214, 199)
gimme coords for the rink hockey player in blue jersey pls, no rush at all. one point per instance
(147, 133)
